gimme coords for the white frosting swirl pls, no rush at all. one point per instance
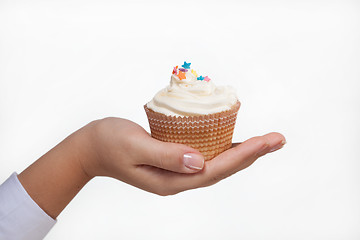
(192, 97)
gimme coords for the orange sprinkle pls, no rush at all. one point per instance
(181, 75)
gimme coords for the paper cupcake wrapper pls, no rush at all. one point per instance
(211, 134)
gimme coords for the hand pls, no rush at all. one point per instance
(124, 150)
(121, 149)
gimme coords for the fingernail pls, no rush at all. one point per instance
(278, 146)
(193, 161)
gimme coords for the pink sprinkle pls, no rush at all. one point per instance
(183, 69)
(207, 79)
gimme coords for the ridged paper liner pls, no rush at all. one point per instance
(211, 134)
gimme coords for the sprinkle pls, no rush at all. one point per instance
(194, 72)
(181, 75)
(207, 79)
(175, 70)
(183, 69)
(186, 65)
(200, 78)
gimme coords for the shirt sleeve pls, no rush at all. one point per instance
(20, 216)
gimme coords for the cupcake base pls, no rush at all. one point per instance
(211, 134)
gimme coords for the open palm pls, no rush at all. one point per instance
(127, 152)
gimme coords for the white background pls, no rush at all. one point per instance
(296, 68)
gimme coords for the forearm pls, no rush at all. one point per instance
(55, 178)
(123, 150)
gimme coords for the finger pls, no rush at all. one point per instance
(227, 163)
(242, 156)
(171, 156)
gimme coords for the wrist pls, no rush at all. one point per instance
(55, 178)
(89, 150)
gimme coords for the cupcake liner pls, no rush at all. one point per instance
(211, 134)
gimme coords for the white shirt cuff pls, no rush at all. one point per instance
(20, 216)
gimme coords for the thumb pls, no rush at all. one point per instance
(173, 157)
(229, 162)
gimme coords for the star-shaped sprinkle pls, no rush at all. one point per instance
(207, 79)
(186, 65)
(181, 75)
(183, 69)
(175, 70)
(200, 78)
(194, 72)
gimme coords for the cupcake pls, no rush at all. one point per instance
(195, 112)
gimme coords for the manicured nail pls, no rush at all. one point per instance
(193, 161)
(278, 146)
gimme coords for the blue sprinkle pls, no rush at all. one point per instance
(186, 65)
